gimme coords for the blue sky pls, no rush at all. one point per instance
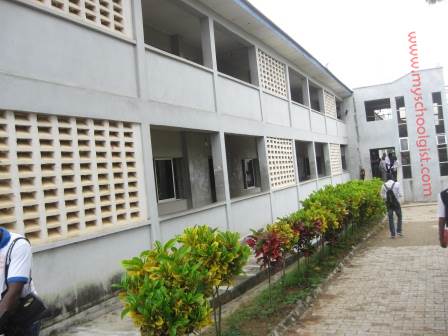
(364, 42)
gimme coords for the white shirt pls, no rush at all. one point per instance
(20, 265)
(396, 189)
(440, 207)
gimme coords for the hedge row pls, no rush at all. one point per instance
(165, 290)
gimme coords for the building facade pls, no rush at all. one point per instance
(406, 117)
(123, 122)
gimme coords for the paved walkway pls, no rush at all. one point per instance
(391, 287)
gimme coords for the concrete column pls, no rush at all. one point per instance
(218, 167)
(308, 99)
(306, 92)
(209, 53)
(296, 171)
(321, 100)
(150, 184)
(313, 148)
(140, 55)
(219, 141)
(208, 43)
(264, 171)
(263, 161)
(288, 94)
(253, 66)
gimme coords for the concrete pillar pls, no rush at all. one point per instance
(140, 55)
(321, 100)
(327, 159)
(219, 140)
(305, 92)
(208, 43)
(150, 184)
(218, 167)
(263, 161)
(313, 155)
(253, 66)
(288, 95)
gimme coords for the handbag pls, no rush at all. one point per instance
(445, 236)
(29, 308)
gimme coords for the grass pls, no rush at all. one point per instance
(259, 316)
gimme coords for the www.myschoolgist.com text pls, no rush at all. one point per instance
(420, 110)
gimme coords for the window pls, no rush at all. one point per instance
(440, 131)
(406, 164)
(305, 161)
(316, 98)
(404, 144)
(322, 159)
(180, 36)
(243, 165)
(166, 189)
(378, 109)
(298, 88)
(343, 156)
(438, 112)
(249, 176)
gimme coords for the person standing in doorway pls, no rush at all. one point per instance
(391, 193)
(383, 167)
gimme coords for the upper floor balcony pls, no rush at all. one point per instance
(175, 52)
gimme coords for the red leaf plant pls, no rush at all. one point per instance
(267, 246)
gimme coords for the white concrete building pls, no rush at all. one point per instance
(123, 122)
(406, 117)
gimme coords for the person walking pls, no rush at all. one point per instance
(16, 284)
(442, 212)
(391, 193)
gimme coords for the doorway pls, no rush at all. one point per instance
(375, 159)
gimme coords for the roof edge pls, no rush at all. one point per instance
(245, 4)
(396, 80)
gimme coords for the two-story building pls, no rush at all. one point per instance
(123, 122)
(407, 119)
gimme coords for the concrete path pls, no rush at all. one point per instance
(391, 287)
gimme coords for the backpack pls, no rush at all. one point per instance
(391, 200)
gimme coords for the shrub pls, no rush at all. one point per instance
(162, 291)
(165, 290)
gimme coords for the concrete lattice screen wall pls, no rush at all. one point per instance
(272, 74)
(281, 162)
(108, 14)
(64, 176)
(335, 159)
(330, 104)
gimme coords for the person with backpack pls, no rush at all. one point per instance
(20, 307)
(391, 194)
